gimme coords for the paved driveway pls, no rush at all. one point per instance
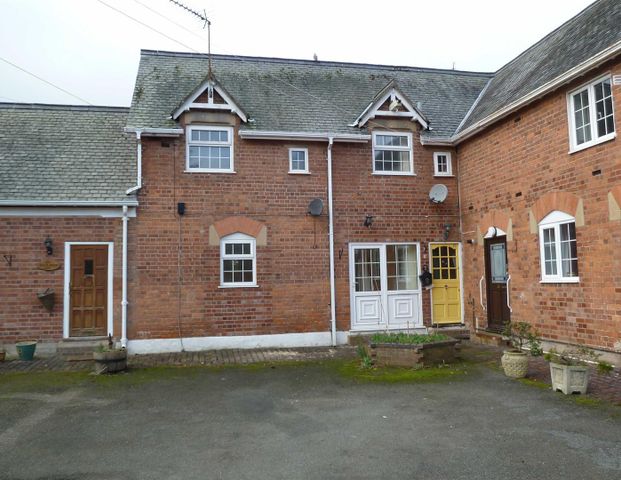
(298, 421)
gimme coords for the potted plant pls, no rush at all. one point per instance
(515, 361)
(569, 370)
(410, 350)
(109, 359)
(26, 350)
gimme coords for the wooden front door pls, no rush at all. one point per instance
(496, 273)
(88, 289)
(446, 293)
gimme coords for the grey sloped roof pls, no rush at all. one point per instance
(65, 153)
(299, 95)
(590, 32)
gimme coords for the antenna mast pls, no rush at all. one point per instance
(207, 23)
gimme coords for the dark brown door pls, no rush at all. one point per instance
(496, 272)
(89, 290)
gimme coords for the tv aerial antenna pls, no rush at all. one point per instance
(206, 23)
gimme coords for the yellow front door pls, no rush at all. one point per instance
(446, 292)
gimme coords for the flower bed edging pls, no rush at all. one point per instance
(412, 356)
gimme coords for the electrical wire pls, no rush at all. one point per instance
(171, 21)
(147, 26)
(45, 81)
(243, 60)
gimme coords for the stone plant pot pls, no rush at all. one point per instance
(110, 362)
(569, 378)
(514, 363)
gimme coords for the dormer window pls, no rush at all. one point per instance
(209, 149)
(392, 153)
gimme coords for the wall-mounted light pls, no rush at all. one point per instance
(48, 245)
(368, 221)
(447, 230)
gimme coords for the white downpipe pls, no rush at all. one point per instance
(138, 164)
(331, 237)
(124, 287)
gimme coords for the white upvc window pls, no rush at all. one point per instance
(591, 115)
(238, 266)
(298, 160)
(392, 153)
(442, 164)
(558, 248)
(209, 149)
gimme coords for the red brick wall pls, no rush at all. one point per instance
(510, 169)
(176, 290)
(22, 316)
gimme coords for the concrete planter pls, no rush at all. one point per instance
(412, 356)
(110, 362)
(569, 378)
(515, 364)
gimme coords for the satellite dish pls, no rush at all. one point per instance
(315, 207)
(438, 193)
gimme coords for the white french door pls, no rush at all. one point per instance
(385, 290)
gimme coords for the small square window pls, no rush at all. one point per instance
(442, 164)
(298, 160)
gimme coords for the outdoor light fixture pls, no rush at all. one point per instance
(48, 245)
(368, 221)
(447, 230)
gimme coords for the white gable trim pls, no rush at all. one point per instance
(373, 110)
(190, 103)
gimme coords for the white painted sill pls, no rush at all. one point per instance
(298, 173)
(385, 174)
(239, 286)
(443, 175)
(206, 170)
(561, 280)
(592, 143)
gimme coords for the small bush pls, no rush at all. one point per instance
(408, 338)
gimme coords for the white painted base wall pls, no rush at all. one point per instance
(193, 344)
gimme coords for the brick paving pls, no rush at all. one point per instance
(57, 363)
(605, 387)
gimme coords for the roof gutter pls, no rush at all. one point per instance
(155, 132)
(307, 136)
(536, 94)
(66, 203)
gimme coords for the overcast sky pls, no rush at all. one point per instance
(92, 51)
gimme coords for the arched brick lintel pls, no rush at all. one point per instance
(494, 218)
(551, 201)
(237, 224)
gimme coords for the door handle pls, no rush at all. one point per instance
(481, 292)
(508, 293)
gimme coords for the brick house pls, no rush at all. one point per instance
(274, 202)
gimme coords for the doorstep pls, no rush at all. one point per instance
(79, 348)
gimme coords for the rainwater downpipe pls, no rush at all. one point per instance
(138, 164)
(331, 238)
(124, 282)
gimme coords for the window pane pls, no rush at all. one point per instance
(498, 263)
(228, 248)
(603, 108)
(367, 269)
(582, 117)
(402, 267)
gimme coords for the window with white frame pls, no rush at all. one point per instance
(238, 261)
(209, 149)
(298, 160)
(442, 165)
(559, 253)
(591, 116)
(392, 153)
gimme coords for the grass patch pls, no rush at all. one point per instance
(354, 371)
(586, 401)
(534, 383)
(408, 338)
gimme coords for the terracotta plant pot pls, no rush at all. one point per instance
(110, 362)
(514, 363)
